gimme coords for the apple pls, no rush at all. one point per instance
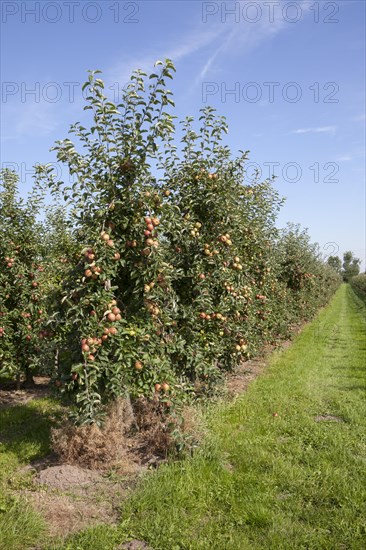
(111, 317)
(138, 365)
(105, 237)
(91, 357)
(85, 348)
(165, 386)
(113, 330)
(157, 387)
(117, 256)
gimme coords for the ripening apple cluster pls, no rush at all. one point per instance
(236, 264)
(208, 252)
(229, 288)
(150, 240)
(226, 239)
(149, 287)
(204, 174)
(195, 231)
(89, 346)
(9, 261)
(93, 270)
(241, 346)
(209, 316)
(107, 239)
(162, 387)
(152, 308)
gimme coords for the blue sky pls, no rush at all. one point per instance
(289, 77)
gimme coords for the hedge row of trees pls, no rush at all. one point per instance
(358, 284)
(350, 267)
(158, 269)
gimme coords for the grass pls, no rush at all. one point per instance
(24, 436)
(270, 476)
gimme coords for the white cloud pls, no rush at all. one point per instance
(238, 37)
(344, 158)
(242, 37)
(317, 130)
(190, 44)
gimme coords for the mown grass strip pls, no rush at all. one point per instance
(285, 464)
(24, 436)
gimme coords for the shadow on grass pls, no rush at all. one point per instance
(25, 429)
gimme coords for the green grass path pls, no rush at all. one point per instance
(265, 481)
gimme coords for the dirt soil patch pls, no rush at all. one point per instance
(134, 545)
(238, 381)
(10, 397)
(65, 477)
(71, 498)
(327, 418)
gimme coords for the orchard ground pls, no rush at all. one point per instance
(282, 465)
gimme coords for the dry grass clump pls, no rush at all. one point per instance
(93, 447)
(175, 432)
(154, 426)
(131, 434)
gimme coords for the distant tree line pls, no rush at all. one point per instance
(349, 268)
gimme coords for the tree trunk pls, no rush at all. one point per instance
(29, 382)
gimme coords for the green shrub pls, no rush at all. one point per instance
(358, 284)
